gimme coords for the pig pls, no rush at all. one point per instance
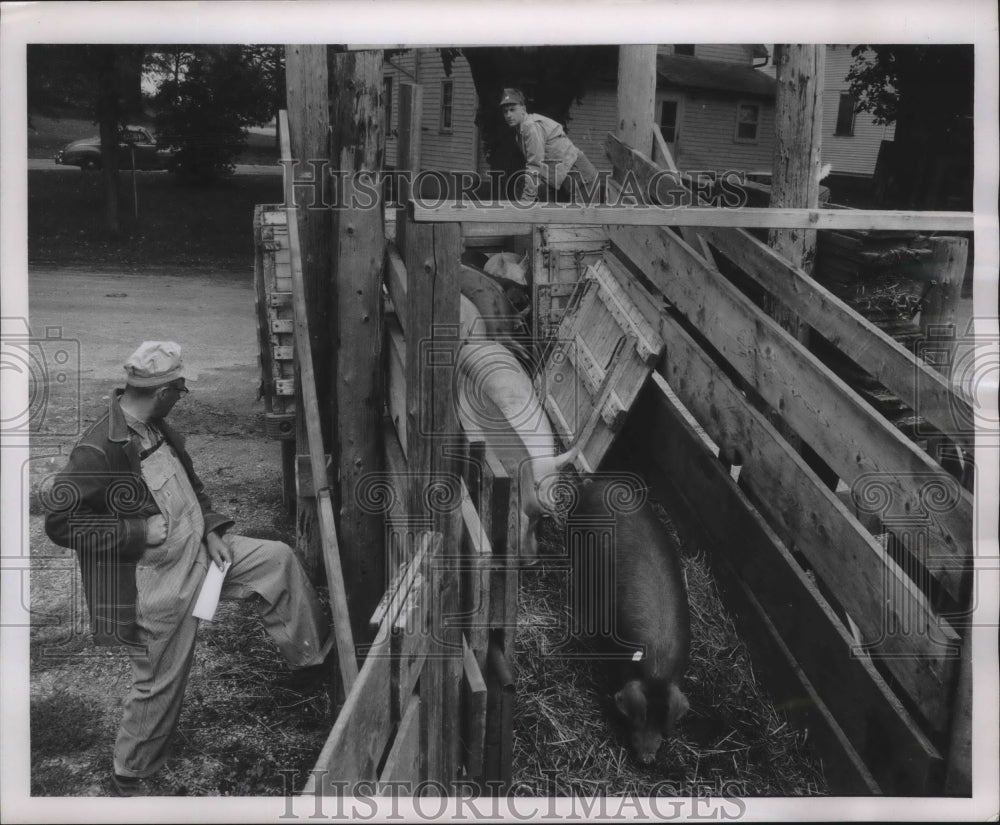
(509, 266)
(503, 322)
(496, 401)
(647, 652)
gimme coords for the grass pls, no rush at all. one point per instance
(178, 225)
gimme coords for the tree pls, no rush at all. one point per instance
(102, 79)
(208, 97)
(552, 78)
(927, 92)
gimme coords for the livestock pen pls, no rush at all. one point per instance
(839, 544)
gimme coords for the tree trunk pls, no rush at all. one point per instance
(108, 118)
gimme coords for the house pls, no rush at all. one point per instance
(714, 105)
(715, 110)
(449, 137)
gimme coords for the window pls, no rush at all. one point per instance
(387, 102)
(747, 121)
(685, 48)
(447, 95)
(669, 120)
(845, 115)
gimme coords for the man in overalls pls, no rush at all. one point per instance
(549, 156)
(130, 504)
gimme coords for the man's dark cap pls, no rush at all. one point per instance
(512, 97)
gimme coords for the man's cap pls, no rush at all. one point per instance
(512, 96)
(154, 363)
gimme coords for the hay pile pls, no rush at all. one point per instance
(732, 742)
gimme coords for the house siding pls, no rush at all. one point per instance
(456, 149)
(730, 52)
(440, 151)
(848, 154)
(590, 120)
(706, 134)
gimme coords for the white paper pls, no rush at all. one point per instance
(208, 598)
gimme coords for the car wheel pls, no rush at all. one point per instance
(89, 165)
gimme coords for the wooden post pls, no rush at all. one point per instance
(637, 96)
(432, 256)
(947, 268)
(411, 99)
(798, 116)
(358, 252)
(798, 119)
(308, 127)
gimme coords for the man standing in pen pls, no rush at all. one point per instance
(550, 158)
(130, 504)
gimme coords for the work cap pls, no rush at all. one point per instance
(154, 363)
(512, 96)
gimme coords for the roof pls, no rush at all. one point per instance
(681, 71)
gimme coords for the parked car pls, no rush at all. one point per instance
(133, 142)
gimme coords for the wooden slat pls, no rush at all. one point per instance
(477, 566)
(474, 712)
(674, 459)
(328, 531)
(498, 232)
(809, 517)
(410, 641)
(402, 763)
(395, 281)
(748, 216)
(355, 745)
(396, 381)
(857, 443)
(920, 387)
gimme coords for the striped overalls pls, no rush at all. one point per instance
(168, 579)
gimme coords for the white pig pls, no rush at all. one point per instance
(496, 401)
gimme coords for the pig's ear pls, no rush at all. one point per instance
(631, 702)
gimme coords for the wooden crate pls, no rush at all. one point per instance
(275, 320)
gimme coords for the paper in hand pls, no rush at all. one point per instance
(211, 588)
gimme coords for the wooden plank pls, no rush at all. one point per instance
(889, 363)
(358, 255)
(827, 413)
(809, 517)
(749, 217)
(410, 642)
(411, 97)
(500, 232)
(958, 776)
(328, 531)
(396, 381)
(401, 765)
(307, 90)
(843, 768)
(499, 737)
(477, 566)
(946, 267)
(355, 746)
(674, 459)
(636, 95)
(474, 712)
(395, 281)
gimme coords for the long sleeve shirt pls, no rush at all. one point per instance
(548, 153)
